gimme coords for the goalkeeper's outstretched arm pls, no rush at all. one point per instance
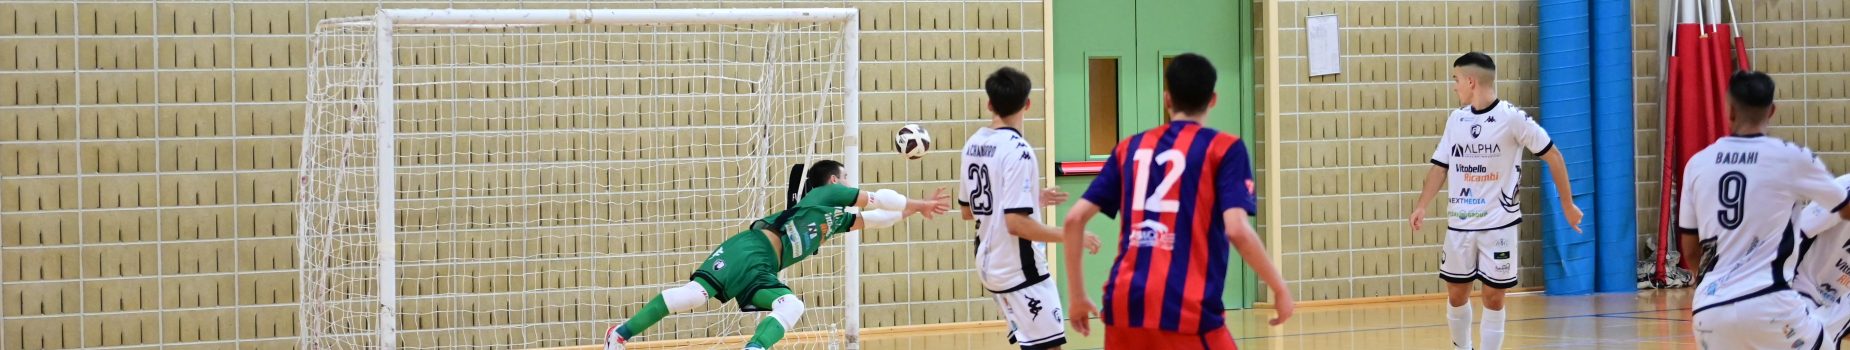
(884, 208)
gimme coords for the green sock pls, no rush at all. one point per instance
(769, 332)
(651, 313)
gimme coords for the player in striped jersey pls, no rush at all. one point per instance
(1181, 192)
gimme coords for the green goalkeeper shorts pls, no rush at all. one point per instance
(740, 267)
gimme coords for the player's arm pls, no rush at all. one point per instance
(1102, 196)
(888, 214)
(1531, 135)
(1435, 177)
(1234, 201)
(1689, 240)
(1018, 196)
(1557, 168)
(1815, 183)
(1252, 251)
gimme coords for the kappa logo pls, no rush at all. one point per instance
(1034, 307)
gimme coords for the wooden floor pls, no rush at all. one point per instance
(1644, 320)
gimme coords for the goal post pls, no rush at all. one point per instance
(526, 178)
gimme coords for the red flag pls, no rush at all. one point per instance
(1702, 57)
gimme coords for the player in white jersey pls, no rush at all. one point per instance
(1002, 193)
(1479, 158)
(1738, 197)
(1824, 265)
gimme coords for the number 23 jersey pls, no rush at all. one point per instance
(1738, 194)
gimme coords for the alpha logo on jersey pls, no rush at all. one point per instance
(1151, 233)
(1477, 150)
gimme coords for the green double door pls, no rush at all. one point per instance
(1108, 66)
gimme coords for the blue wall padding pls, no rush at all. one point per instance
(1568, 259)
(1617, 229)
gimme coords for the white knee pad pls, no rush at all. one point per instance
(886, 200)
(787, 310)
(880, 218)
(685, 297)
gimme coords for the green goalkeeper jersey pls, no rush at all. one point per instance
(819, 216)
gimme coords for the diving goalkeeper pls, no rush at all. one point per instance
(745, 266)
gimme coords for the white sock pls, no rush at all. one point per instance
(1493, 329)
(1459, 317)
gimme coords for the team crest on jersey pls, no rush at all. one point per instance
(1476, 130)
(719, 265)
(1151, 233)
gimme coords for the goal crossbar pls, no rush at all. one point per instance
(449, 17)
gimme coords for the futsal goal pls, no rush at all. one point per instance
(528, 178)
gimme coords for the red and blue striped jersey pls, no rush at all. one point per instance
(1168, 187)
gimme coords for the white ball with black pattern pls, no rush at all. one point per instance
(912, 141)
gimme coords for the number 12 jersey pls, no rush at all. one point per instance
(1168, 187)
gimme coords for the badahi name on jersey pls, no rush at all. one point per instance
(1477, 150)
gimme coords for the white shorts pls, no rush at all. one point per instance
(1035, 318)
(1781, 320)
(1488, 256)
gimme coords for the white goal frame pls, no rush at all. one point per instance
(385, 20)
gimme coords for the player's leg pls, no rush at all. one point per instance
(1034, 314)
(1458, 268)
(785, 308)
(677, 299)
(722, 276)
(1497, 268)
(1772, 321)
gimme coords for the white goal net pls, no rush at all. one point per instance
(528, 178)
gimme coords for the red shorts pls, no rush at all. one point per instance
(1144, 338)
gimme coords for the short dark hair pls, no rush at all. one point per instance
(1475, 59)
(819, 174)
(1190, 81)
(1751, 89)
(1008, 91)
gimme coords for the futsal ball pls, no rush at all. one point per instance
(912, 141)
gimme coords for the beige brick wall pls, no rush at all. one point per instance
(1356, 145)
(148, 154)
(1805, 46)
(1647, 118)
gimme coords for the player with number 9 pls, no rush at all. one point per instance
(1737, 202)
(1181, 193)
